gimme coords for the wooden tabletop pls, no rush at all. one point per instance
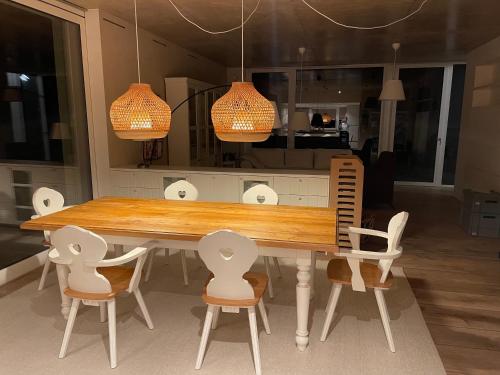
(307, 228)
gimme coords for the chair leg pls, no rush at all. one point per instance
(69, 327)
(384, 314)
(45, 271)
(184, 267)
(270, 282)
(102, 311)
(150, 265)
(335, 294)
(112, 331)
(263, 314)
(255, 339)
(277, 266)
(204, 336)
(332, 291)
(144, 309)
(215, 319)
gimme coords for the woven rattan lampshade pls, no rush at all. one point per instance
(139, 114)
(243, 115)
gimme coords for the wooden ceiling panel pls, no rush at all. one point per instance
(445, 30)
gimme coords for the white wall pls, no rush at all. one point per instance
(113, 66)
(478, 165)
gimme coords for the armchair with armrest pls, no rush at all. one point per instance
(350, 268)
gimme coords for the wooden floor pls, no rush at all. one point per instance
(456, 279)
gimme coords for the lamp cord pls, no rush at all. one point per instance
(301, 75)
(210, 31)
(394, 68)
(411, 14)
(137, 42)
(242, 43)
(338, 23)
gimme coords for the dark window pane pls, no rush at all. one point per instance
(417, 124)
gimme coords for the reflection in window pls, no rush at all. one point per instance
(43, 128)
(274, 87)
(417, 124)
(343, 99)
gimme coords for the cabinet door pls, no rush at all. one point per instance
(167, 179)
(204, 184)
(246, 182)
(225, 188)
(148, 179)
(121, 179)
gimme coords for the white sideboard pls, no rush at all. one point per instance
(299, 188)
(19, 181)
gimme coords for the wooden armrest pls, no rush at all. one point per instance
(368, 232)
(125, 258)
(361, 254)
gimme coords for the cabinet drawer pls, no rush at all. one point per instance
(303, 200)
(301, 186)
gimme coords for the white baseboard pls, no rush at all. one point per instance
(23, 267)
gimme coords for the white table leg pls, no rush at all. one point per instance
(62, 277)
(303, 297)
(313, 272)
(118, 250)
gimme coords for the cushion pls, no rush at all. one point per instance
(322, 156)
(299, 159)
(270, 157)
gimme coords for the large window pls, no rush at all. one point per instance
(43, 128)
(428, 124)
(417, 124)
(274, 86)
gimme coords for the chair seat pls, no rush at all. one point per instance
(339, 272)
(118, 277)
(258, 281)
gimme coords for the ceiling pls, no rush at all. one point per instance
(445, 30)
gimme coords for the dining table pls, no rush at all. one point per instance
(296, 232)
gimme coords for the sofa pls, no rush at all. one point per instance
(279, 158)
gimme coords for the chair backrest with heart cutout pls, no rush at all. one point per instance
(181, 190)
(260, 194)
(228, 255)
(77, 248)
(47, 201)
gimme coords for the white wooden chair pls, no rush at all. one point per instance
(180, 190)
(352, 270)
(263, 194)
(229, 256)
(95, 281)
(46, 201)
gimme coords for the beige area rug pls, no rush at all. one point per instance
(32, 329)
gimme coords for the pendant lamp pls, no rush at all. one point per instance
(242, 114)
(139, 114)
(393, 88)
